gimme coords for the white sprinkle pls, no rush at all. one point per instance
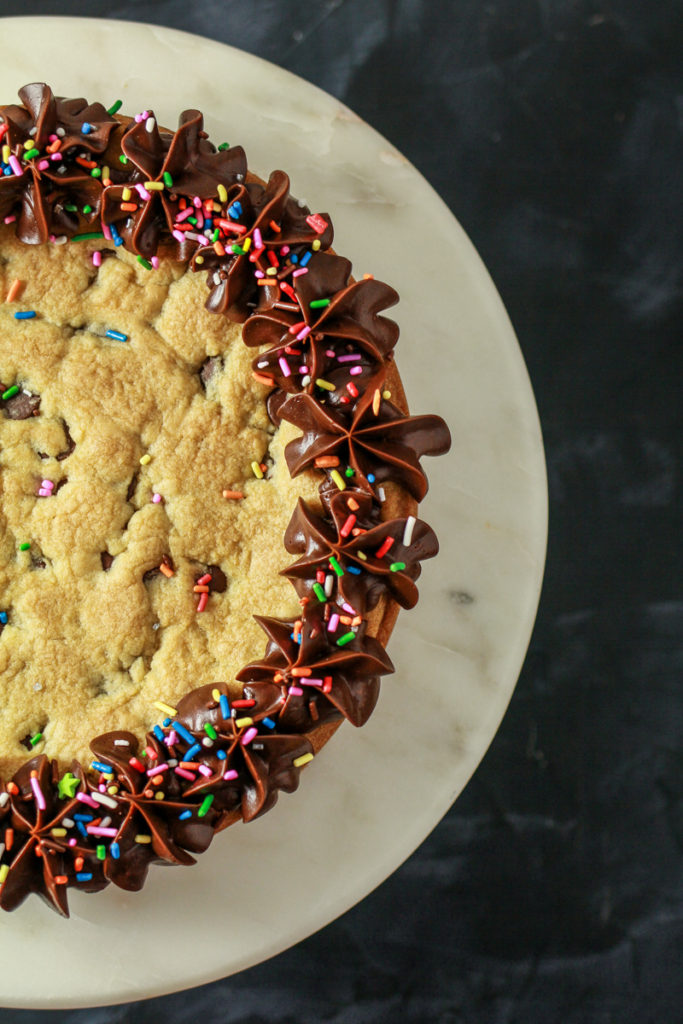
(34, 130)
(207, 742)
(37, 687)
(149, 124)
(262, 364)
(172, 762)
(106, 822)
(106, 801)
(381, 495)
(305, 381)
(2, 849)
(4, 797)
(61, 132)
(68, 822)
(408, 532)
(121, 743)
(329, 585)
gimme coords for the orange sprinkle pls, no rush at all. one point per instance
(129, 207)
(85, 163)
(166, 569)
(54, 146)
(9, 838)
(263, 379)
(200, 590)
(14, 290)
(301, 672)
(353, 504)
(218, 249)
(12, 788)
(61, 879)
(275, 227)
(233, 495)
(268, 280)
(326, 461)
(78, 863)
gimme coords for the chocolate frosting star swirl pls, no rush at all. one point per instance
(49, 181)
(271, 230)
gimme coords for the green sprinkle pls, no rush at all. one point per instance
(319, 592)
(319, 303)
(10, 393)
(71, 207)
(145, 263)
(87, 209)
(35, 740)
(349, 472)
(346, 638)
(123, 158)
(192, 221)
(235, 248)
(168, 180)
(336, 566)
(25, 546)
(224, 145)
(206, 803)
(31, 154)
(101, 851)
(116, 105)
(96, 172)
(210, 731)
(397, 566)
(87, 235)
(214, 235)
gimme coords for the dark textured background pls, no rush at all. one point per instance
(552, 891)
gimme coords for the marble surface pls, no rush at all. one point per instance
(552, 890)
(375, 793)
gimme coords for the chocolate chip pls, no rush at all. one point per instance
(210, 367)
(106, 560)
(218, 583)
(21, 406)
(132, 486)
(38, 563)
(70, 443)
(150, 574)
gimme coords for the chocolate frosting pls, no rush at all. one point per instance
(219, 758)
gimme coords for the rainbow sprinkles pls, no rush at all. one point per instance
(74, 171)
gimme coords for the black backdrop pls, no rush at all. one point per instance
(552, 891)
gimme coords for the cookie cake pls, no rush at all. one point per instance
(204, 441)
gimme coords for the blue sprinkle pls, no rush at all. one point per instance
(189, 754)
(81, 828)
(158, 732)
(305, 258)
(293, 258)
(82, 817)
(354, 570)
(269, 723)
(28, 314)
(235, 210)
(115, 235)
(371, 478)
(182, 731)
(86, 128)
(84, 876)
(115, 851)
(100, 766)
(116, 335)
(296, 639)
(185, 815)
(166, 722)
(221, 755)
(225, 706)
(3, 617)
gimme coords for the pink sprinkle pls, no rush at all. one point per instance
(258, 240)
(284, 250)
(142, 191)
(350, 358)
(52, 138)
(43, 165)
(303, 370)
(231, 774)
(157, 499)
(85, 799)
(47, 483)
(155, 262)
(171, 739)
(184, 214)
(184, 774)
(55, 157)
(349, 609)
(312, 682)
(249, 735)
(38, 793)
(106, 231)
(303, 333)
(205, 771)
(178, 235)
(284, 366)
(44, 493)
(10, 219)
(333, 623)
(15, 165)
(259, 273)
(157, 771)
(300, 271)
(97, 830)
(197, 201)
(97, 258)
(138, 118)
(295, 691)
(355, 370)
(73, 842)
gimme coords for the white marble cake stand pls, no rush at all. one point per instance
(373, 794)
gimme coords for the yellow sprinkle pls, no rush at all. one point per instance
(315, 244)
(304, 759)
(246, 244)
(361, 554)
(4, 871)
(126, 194)
(199, 259)
(159, 795)
(338, 479)
(386, 395)
(58, 832)
(145, 459)
(143, 839)
(222, 192)
(241, 722)
(29, 144)
(376, 398)
(257, 471)
(154, 186)
(105, 173)
(6, 152)
(216, 694)
(165, 708)
(325, 385)
(112, 790)
(271, 271)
